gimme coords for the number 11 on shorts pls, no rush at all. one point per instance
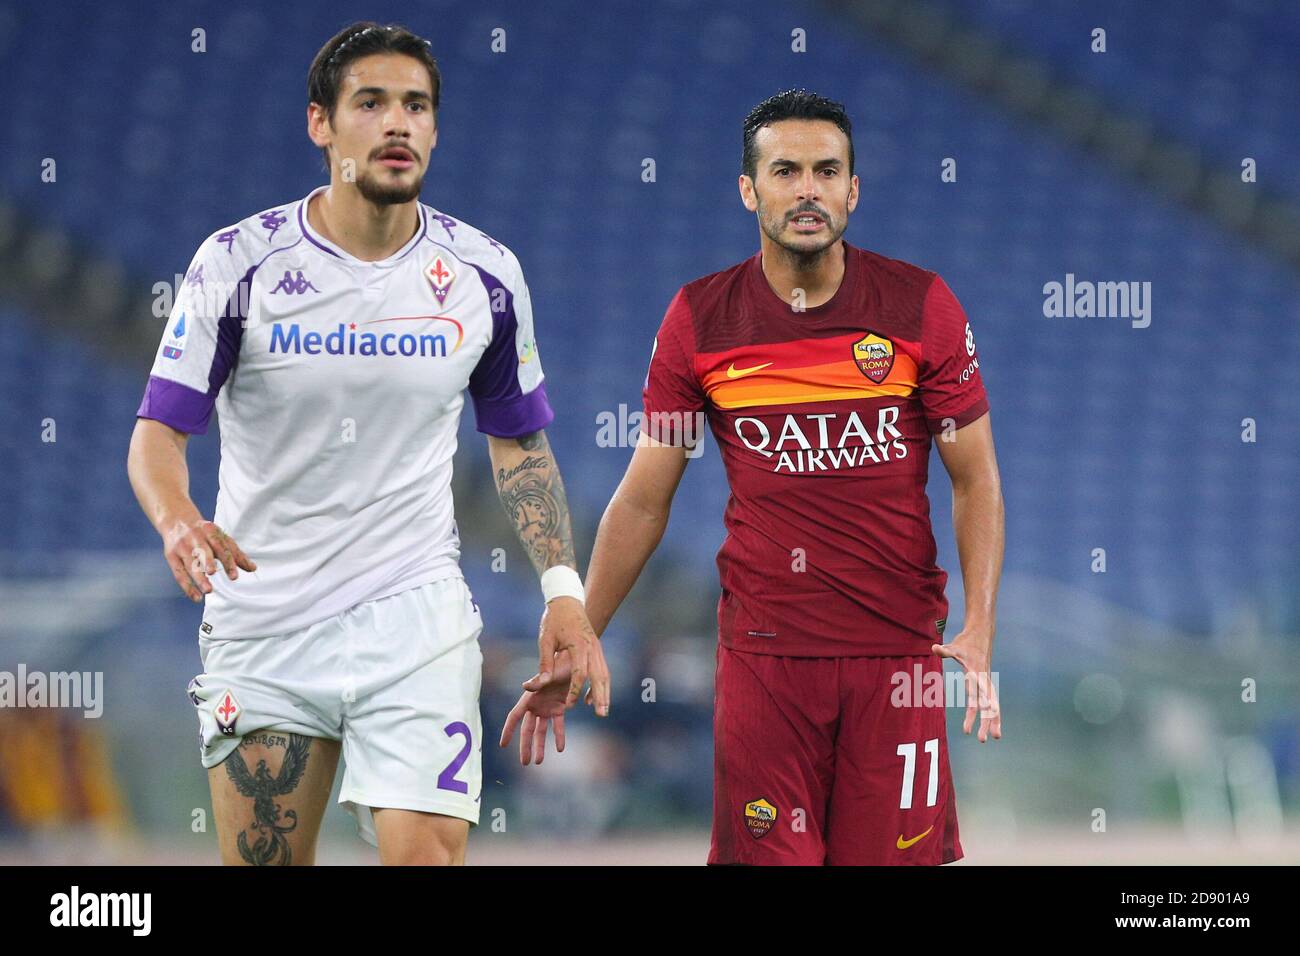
(908, 753)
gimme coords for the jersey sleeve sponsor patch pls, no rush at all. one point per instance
(506, 385)
(952, 391)
(200, 340)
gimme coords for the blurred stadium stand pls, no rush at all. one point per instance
(1109, 436)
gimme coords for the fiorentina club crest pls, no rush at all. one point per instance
(440, 277)
(760, 816)
(227, 712)
(874, 356)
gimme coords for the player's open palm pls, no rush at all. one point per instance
(973, 652)
(543, 706)
(537, 710)
(192, 548)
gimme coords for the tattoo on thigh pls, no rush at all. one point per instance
(270, 847)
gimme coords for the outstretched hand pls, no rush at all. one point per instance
(542, 706)
(565, 627)
(973, 651)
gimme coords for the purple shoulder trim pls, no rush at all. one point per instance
(183, 408)
(527, 413)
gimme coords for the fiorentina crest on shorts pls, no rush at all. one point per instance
(227, 712)
(760, 817)
(440, 276)
(874, 356)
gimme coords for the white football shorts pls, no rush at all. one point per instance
(395, 679)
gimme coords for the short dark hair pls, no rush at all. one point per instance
(352, 43)
(791, 104)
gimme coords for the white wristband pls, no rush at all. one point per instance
(561, 581)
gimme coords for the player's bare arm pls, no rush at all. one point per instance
(978, 522)
(630, 530)
(191, 544)
(532, 491)
(632, 526)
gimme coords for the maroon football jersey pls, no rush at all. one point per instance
(824, 418)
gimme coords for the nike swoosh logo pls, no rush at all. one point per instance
(904, 844)
(734, 372)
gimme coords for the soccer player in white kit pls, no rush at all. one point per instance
(335, 335)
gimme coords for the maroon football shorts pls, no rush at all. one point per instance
(831, 760)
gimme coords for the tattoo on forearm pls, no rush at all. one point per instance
(270, 847)
(533, 494)
(530, 463)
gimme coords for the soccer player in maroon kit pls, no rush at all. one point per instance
(824, 371)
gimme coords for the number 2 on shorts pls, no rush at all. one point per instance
(447, 779)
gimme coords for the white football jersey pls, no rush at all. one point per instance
(339, 385)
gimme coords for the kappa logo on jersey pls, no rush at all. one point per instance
(228, 237)
(874, 356)
(441, 277)
(294, 285)
(272, 221)
(448, 224)
(227, 713)
(760, 817)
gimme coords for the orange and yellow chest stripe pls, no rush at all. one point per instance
(855, 365)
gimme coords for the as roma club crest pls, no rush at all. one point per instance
(440, 276)
(874, 356)
(760, 817)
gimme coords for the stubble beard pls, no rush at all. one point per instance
(802, 258)
(388, 194)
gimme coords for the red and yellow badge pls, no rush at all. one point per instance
(760, 817)
(874, 356)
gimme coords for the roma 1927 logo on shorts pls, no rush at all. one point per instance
(760, 817)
